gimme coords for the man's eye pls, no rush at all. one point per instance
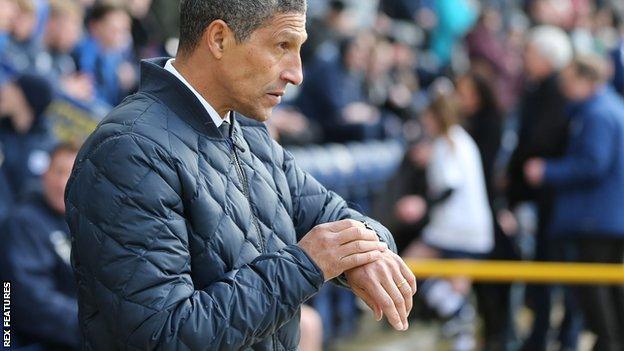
(283, 45)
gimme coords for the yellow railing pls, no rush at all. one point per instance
(521, 271)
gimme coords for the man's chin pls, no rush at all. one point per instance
(260, 115)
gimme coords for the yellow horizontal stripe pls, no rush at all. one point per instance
(520, 271)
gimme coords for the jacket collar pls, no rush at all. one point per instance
(156, 81)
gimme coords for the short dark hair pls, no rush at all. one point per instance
(101, 10)
(242, 16)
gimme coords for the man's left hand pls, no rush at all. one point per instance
(534, 170)
(386, 286)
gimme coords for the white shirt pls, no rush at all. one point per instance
(463, 222)
(211, 111)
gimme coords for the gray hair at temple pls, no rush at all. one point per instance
(553, 44)
(242, 16)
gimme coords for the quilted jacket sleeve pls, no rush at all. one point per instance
(313, 204)
(131, 249)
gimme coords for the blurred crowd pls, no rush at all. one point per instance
(509, 112)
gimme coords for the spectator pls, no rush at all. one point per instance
(105, 53)
(460, 223)
(483, 120)
(8, 10)
(63, 31)
(327, 29)
(6, 195)
(35, 259)
(542, 133)
(589, 186)
(333, 93)
(21, 50)
(454, 19)
(24, 132)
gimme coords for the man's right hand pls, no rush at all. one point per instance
(339, 246)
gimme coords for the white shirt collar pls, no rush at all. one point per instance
(211, 111)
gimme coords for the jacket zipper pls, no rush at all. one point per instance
(254, 219)
(243, 179)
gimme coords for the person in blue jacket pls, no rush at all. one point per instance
(105, 53)
(589, 190)
(35, 259)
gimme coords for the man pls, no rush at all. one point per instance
(589, 184)
(542, 133)
(63, 30)
(24, 133)
(35, 254)
(191, 228)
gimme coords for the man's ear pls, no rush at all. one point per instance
(218, 36)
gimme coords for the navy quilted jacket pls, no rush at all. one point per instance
(185, 239)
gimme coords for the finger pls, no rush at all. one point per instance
(358, 259)
(398, 298)
(388, 306)
(369, 301)
(408, 275)
(343, 224)
(359, 246)
(405, 278)
(356, 233)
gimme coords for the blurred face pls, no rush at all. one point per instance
(63, 32)
(264, 64)
(535, 66)
(468, 97)
(55, 179)
(113, 31)
(24, 25)
(573, 87)
(8, 11)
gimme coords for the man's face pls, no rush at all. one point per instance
(55, 179)
(256, 71)
(535, 66)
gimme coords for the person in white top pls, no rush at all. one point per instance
(460, 221)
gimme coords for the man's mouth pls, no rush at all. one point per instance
(276, 97)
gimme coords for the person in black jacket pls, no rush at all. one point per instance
(25, 135)
(34, 256)
(483, 120)
(543, 132)
(191, 228)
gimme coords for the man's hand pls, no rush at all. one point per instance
(534, 170)
(387, 287)
(339, 246)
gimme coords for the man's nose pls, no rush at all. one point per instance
(293, 74)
